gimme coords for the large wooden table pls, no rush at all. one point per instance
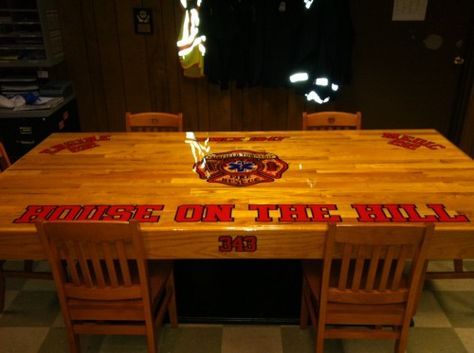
(144, 172)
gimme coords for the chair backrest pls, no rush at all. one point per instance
(332, 121)
(368, 263)
(154, 121)
(94, 260)
(4, 160)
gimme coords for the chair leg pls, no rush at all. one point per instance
(320, 326)
(28, 265)
(319, 339)
(73, 341)
(304, 314)
(402, 342)
(172, 310)
(151, 337)
(458, 265)
(2, 287)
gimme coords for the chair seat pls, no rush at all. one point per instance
(357, 314)
(130, 309)
(27, 271)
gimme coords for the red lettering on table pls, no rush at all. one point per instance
(414, 215)
(119, 213)
(263, 212)
(77, 145)
(404, 213)
(34, 212)
(65, 213)
(296, 212)
(293, 213)
(320, 213)
(204, 213)
(370, 213)
(92, 213)
(54, 149)
(223, 213)
(396, 214)
(189, 213)
(144, 213)
(219, 213)
(410, 142)
(443, 216)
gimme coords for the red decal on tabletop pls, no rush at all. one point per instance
(77, 145)
(65, 213)
(213, 213)
(296, 213)
(204, 213)
(34, 212)
(143, 213)
(293, 213)
(263, 212)
(320, 213)
(240, 168)
(242, 138)
(399, 213)
(92, 213)
(119, 213)
(410, 142)
(238, 244)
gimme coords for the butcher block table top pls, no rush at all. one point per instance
(241, 194)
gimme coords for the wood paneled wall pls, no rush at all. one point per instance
(467, 135)
(115, 70)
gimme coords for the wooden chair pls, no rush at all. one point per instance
(27, 271)
(4, 160)
(332, 121)
(105, 285)
(361, 282)
(457, 273)
(152, 122)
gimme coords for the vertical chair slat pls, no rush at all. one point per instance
(359, 267)
(71, 257)
(99, 274)
(373, 266)
(346, 260)
(122, 255)
(84, 266)
(400, 267)
(387, 266)
(112, 274)
(59, 255)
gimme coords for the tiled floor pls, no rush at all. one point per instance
(32, 323)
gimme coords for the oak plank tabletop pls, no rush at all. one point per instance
(265, 194)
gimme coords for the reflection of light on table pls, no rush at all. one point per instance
(199, 151)
(311, 183)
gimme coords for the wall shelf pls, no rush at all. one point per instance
(30, 34)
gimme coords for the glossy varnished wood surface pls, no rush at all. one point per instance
(325, 167)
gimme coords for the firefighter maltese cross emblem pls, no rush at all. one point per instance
(240, 168)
